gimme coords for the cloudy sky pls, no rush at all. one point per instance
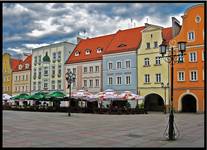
(31, 25)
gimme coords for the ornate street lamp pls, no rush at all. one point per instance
(172, 58)
(70, 78)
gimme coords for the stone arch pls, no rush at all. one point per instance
(153, 102)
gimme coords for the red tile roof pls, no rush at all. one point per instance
(28, 60)
(125, 40)
(15, 63)
(92, 44)
(167, 34)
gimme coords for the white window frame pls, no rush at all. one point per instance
(117, 64)
(85, 82)
(128, 60)
(84, 69)
(157, 44)
(149, 45)
(90, 85)
(110, 62)
(96, 70)
(158, 75)
(87, 51)
(97, 85)
(146, 78)
(91, 71)
(178, 77)
(196, 56)
(59, 84)
(77, 53)
(193, 36)
(129, 79)
(117, 80)
(99, 50)
(111, 80)
(156, 60)
(196, 75)
(146, 61)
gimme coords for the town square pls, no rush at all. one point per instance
(103, 74)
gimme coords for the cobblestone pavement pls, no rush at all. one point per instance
(43, 129)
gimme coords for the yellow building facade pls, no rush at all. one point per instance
(7, 74)
(152, 70)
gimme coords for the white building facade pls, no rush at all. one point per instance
(48, 67)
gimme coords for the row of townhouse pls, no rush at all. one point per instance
(127, 60)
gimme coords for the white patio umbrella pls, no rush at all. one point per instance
(110, 94)
(6, 97)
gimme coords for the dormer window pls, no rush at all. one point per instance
(88, 51)
(77, 53)
(99, 50)
(20, 67)
(122, 45)
(26, 66)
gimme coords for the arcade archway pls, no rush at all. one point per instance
(154, 102)
(188, 103)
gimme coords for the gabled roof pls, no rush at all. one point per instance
(91, 45)
(15, 63)
(28, 60)
(167, 34)
(125, 40)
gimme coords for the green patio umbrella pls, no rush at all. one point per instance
(21, 96)
(38, 96)
(57, 94)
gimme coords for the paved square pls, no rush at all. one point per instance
(43, 129)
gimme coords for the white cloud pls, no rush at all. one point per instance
(12, 38)
(16, 10)
(17, 50)
(32, 46)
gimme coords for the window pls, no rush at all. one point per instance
(180, 58)
(26, 66)
(146, 62)
(16, 78)
(97, 82)
(110, 80)
(39, 85)
(26, 77)
(59, 70)
(118, 65)
(15, 88)
(128, 64)
(22, 77)
(77, 53)
(90, 83)
(40, 59)
(34, 86)
(85, 69)
(193, 76)
(45, 84)
(193, 57)
(53, 71)
(40, 73)
(35, 60)
(197, 19)
(53, 84)
(45, 71)
(155, 44)
(128, 80)
(158, 78)
(148, 45)
(110, 65)
(85, 83)
(59, 55)
(19, 78)
(54, 56)
(34, 75)
(74, 71)
(97, 68)
(191, 36)
(20, 67)
(99, 50)
(59, 85)
(22, 88)
(146, 78)
(181, 76)
(91, 69)
(157, 60)
(88, 51)
(118, 80)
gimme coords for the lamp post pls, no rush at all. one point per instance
(165, 87)
(171, 58)
(70, 78)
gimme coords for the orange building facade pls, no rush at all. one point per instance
(189, 74)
